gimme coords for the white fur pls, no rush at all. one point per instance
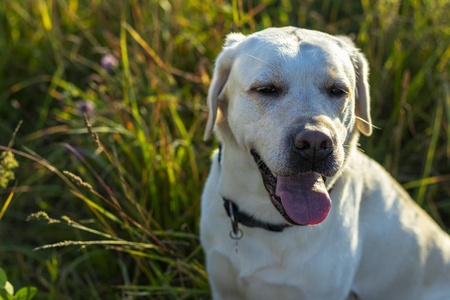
(375, 243)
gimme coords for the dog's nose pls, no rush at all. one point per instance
(313, 144)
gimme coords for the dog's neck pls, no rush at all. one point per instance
(241, 182)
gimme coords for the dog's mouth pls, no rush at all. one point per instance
(301, 199)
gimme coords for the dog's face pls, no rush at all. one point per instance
(291, 98)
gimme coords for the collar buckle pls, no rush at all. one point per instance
(236, 233)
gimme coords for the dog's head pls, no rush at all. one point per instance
(294, 99)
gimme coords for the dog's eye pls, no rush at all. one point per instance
(267, 90)
(336, 92)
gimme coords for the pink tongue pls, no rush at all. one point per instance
(304, 197)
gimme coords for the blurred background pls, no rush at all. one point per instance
(118, 191)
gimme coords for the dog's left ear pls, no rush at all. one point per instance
(362, 97)
(222, 71)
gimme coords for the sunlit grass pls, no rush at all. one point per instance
(121, 187)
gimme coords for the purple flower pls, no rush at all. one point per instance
(109, 62)
(85, 107)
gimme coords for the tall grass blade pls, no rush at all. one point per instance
(436, 131)
(6, 204)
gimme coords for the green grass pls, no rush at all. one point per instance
(121, 191)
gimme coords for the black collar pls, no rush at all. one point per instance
(245, 219)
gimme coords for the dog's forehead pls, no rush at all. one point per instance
(294, 50)
(289, 40)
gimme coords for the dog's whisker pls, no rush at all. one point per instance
(252, 56)
(367, 122)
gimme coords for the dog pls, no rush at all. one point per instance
(291, 208)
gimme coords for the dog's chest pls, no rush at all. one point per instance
(269, 265)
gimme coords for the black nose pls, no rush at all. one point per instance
(313, 144)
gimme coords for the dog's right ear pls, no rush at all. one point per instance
(222, 70)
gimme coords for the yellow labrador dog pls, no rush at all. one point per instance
(291, 209)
